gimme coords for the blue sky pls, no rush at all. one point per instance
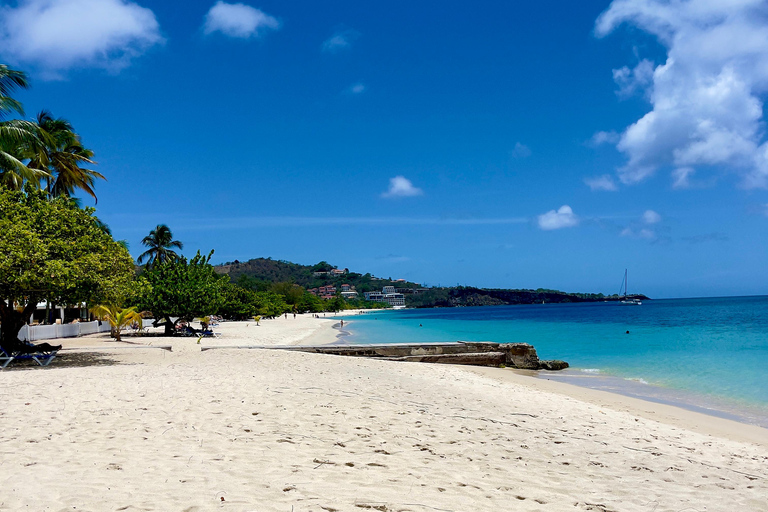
(485, 143)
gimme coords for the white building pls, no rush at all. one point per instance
(374, 296)
(396, 300)
(388, 295)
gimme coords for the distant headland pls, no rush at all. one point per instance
(328, 281)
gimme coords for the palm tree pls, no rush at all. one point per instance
(118, 319)
(15, 135)
(160, 241)
(61, 155)
(10, 80)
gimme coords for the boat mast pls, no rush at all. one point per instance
(626, 284)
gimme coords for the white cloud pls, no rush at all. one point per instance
(562, 218)
(644, 233)
(634, 80)
(57, 35)
(521, 151)
(706, 107)
(400, 186)
(682, 177)
(604, 138)
(604, 182)
(238, 20)
(340, 41)
(357, 88)
(651, 217)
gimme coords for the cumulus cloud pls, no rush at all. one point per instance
(520, 151)
(400, 186)
(339, 41)
(604, 182)
(57, 35)
(705, 98)
(562, 218)
(238, 20)
(651, 217)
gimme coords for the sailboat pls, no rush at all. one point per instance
(623, 297)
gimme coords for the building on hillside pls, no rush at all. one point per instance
(374, 296)
(327, 292)
(388, 295)
(396, 300)
(348, 291)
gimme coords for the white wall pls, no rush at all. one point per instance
(49, 332)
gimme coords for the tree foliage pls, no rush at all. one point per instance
(47, 150)
(160, 245)
(52, 250)
(183, 288)
(61, 154)
(118, 318)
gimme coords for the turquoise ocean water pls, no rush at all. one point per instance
(706, 354)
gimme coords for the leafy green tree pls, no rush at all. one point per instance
(323, 266)
(182, 288)
(54, 251)
(238, 303)
(271, 304)
(310, 303)
(336, 304)
(291, 292)
(160, 242)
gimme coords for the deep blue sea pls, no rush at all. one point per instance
(706, 354)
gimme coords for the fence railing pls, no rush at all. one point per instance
(49, 332)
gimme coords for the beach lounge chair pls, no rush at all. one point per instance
(42, 353)
(5, 358)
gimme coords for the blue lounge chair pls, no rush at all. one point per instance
(42, 353)
(5, 358)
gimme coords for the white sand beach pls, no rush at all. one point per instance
(273, 430)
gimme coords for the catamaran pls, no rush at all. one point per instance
(623, 297)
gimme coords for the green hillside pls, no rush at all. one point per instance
(262, 273)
